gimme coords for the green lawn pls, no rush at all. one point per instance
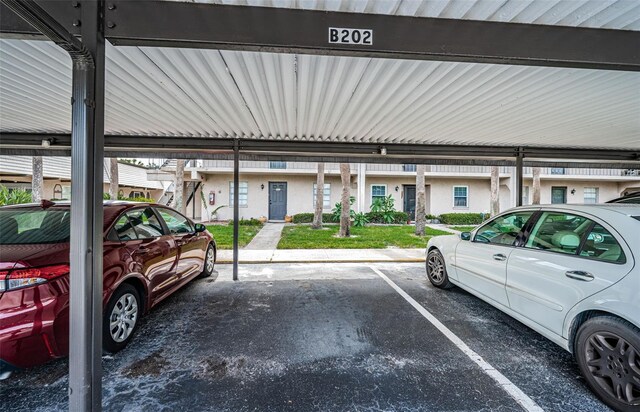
(463, 228)
(369, 237)
(223, 234)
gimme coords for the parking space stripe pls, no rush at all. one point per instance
(516, 393)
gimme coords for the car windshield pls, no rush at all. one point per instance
(28, 226)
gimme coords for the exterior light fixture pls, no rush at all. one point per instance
(573, 191)
(262, 186)
(383, 150)
(397, 188)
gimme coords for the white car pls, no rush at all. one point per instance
(570, 272)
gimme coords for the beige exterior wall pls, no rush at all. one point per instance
(50, 185)
(299, 193)
(606, 190)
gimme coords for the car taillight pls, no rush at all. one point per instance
(3, 275)
(20, 278)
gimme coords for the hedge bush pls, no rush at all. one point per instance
(247, 222)
(398, 217)
(372, 217)
(308, 218)
(462, 218)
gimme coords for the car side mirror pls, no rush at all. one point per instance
(200, 228)
(465, 235)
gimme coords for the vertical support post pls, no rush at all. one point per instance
(87, 163)
(519, 176)
(193, 201)
(236, 201)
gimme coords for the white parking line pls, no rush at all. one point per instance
(516, 393)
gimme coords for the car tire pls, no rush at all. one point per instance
(209, 262)
(437, 270)
(121, 318)
(607, 350)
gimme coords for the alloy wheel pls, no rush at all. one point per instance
(615, 366)
(123, 317)
(209, 260)
(436, 268)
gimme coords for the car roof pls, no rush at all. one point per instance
(627, 209)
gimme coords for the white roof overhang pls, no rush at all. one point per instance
(194, 94)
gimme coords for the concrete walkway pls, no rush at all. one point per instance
(267, 238)
(323, 255)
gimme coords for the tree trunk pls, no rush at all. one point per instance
(178, 198)
(421, 201)
(317, 216)
(536, 186)
(495, 190)
(345, 221)
(37, 179)
(115, 178)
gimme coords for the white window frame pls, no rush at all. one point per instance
(326, 196)
(377, 184)
(240, 203)
(597, 192)
(453, 193)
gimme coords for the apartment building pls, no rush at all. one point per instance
(277, 189)
(15, 173)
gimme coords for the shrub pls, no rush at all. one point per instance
(247, 222)
(337, 210)
(360, 219)
(308, 218)
(383, 217)
(462, 218)
(385, 204)
(140, 199)
(14, 196)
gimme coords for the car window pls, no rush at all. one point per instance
(558, 232)
(26, 226)
(124, 229)
(176, 223)
(503, 230)
(601, 245)
(145, 223)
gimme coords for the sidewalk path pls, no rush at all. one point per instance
(323, 255)
(443, 228)
(267, 238)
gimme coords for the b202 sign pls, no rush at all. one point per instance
(351, 36)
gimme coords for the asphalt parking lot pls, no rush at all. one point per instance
(309, 337)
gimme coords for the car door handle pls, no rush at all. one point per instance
(141, 251)
(499, 256)
(579, 275)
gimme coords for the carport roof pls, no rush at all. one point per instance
(156, 91)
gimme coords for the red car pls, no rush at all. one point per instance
(150, 251)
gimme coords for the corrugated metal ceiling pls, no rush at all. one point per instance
(186, 92)
(610, 14)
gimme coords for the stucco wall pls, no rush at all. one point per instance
(606, 190)
(299, 193)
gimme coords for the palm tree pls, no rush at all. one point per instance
(345, 201)
(317, 216)
(536, 186)
(495, 190)
(421, 201)
(114, 180)
(37, 179)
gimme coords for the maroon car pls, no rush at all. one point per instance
(150, 251)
